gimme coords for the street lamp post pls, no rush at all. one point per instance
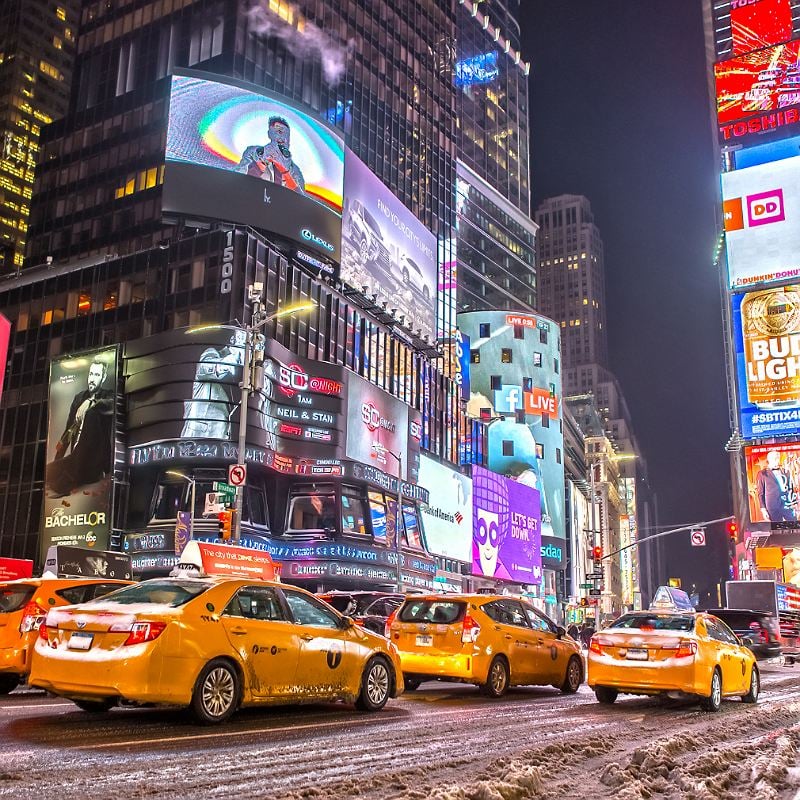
(258, 321)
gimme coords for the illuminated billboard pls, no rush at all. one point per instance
(764, 85)
(766, 337)
(756, 24)
(447, 519)
(773, 480)
(80, 450)
(387, 250)
(479, 69)
(507, 536)
(237, 152)
(761, 212)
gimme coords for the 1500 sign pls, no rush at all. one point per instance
(226, 271)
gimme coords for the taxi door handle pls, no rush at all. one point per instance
(541, 641)
(509, 636)
(306, 637)
(239, 631)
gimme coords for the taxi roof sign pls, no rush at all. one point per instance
(222, 560)
(667, 598)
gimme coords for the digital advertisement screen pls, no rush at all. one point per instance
(382, 431)
(773, 480)
(80, 450)
(237, 152)
(386, 249)
(447, 519)
(765, 82)
(756, 24)
(507, 536)
(475, 70)
(761, 211)
(766, 338)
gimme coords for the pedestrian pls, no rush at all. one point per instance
(586, 633)
(573, 631)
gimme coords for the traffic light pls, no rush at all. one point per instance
(733, 531)
(597, 553)
(225, 524)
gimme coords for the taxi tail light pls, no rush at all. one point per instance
(387, 628)
(32, 617)
(683, 649)
(469, 630)
(139, 632)
(43, 632)
(595, 646)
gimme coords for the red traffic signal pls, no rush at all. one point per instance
(733, 530)
(597, 553)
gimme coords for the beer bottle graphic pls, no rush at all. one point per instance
(771, 333)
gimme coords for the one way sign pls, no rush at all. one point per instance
(698, 537)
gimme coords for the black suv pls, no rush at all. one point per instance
(369, 609)
(758, 630)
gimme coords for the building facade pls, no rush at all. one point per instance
(37, 48)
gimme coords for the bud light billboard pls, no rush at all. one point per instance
(507, 536)
(237, 152)
(80, 450)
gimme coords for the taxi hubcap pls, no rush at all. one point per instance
(716, 689)
(378, 683)
(218, 691)
(754, 683)
(498, 677)
(574, 675)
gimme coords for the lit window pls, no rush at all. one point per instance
(506, 355)
(61, 14)
(57, 43)
(50, 71)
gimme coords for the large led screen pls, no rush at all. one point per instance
(507, 536)
(765, 82)
(386, 249)
(766, 335)
(242, 154)
(773, 480)
(756, 24)
(761, 210)
(80, 450)
(447, 519)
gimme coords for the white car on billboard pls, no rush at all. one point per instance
(408, 273)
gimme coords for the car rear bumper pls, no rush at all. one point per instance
(639, 678)
(14, 660)
(462, 666)
(764, 651)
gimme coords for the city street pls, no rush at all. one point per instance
(444, 741)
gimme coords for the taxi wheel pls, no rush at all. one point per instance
(714, 699)
(96, 706)
(498, 678)
(573, 676)
(376, 685)
(8, 683)
(755, 687)
(216, 693)
(605, 695)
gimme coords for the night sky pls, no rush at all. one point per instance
(619, 113)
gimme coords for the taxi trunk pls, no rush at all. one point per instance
(101, 654)
(435, 637)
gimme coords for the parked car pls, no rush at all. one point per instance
(492, 641)
(368, 609)
(758, 630)
(24, 604)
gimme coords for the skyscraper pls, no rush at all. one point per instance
(37, 47)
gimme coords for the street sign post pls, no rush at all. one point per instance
(595, 592)
(237, 474)
(224, 488)
(587, 586)
(594, 576)
(698, 537)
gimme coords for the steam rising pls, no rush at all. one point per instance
(312, 41)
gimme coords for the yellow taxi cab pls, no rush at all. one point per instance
(23, 606)
(212, 643)
(673, 650)
(493, 641)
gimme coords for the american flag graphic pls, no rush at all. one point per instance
(459, 517)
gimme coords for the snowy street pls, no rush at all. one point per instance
(443, 741)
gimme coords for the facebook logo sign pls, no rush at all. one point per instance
(508, 399)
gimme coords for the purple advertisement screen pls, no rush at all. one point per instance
(506, 532)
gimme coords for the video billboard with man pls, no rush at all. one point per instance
(239, 153)
(80, 450)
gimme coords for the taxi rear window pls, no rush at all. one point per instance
(163, 593)
(440, 611)
(655, 622)
(13, 598)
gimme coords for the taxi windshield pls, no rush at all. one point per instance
(655, 622)
(170, 593)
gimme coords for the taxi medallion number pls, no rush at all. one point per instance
(637, 654)
(424, 641)
(80, 641)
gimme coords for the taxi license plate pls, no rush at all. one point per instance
(424, 641)
(80, 641)
(637, 655)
